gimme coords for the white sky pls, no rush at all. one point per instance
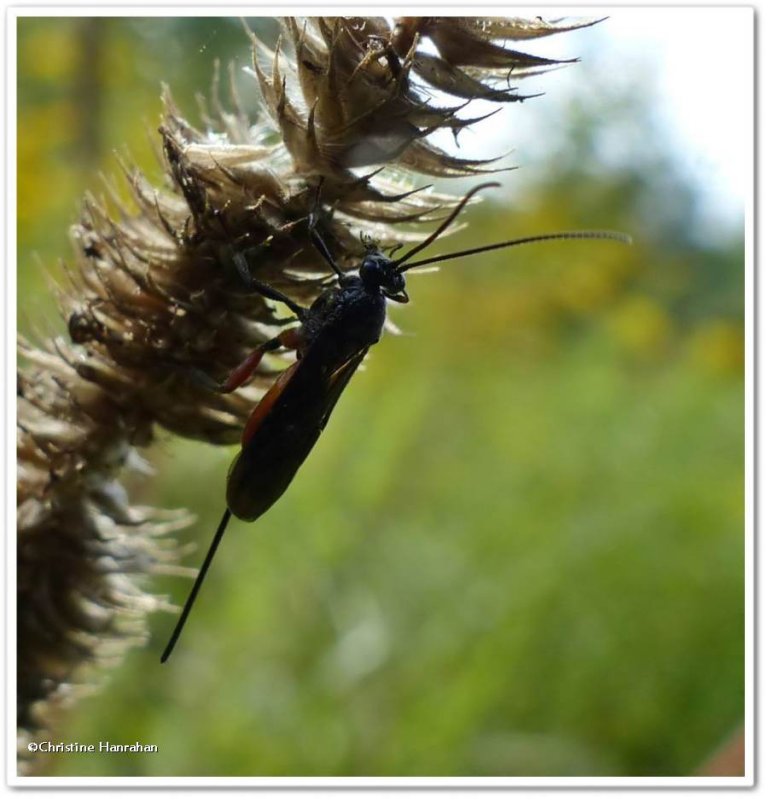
(700, 73)
(705, 55)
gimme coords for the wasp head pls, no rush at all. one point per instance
(379, 272)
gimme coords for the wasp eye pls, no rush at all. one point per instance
(372, 271)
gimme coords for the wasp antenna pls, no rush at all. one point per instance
(196, 588)
(544, 237)
(449, 219)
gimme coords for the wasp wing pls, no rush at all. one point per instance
(283, 429)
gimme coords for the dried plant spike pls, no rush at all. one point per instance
(518, 28)
(159, 291)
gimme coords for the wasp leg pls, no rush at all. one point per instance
(243, 372)
(322, 248)
(264, 289)
(317, 239)
(290, 340)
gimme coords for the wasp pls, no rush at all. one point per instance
(331, 340)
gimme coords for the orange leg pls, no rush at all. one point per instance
(290, 340)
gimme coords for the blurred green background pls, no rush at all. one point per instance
(518, 547)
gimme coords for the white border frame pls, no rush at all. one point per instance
(13, 14)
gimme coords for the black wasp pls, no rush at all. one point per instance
(331, 341)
